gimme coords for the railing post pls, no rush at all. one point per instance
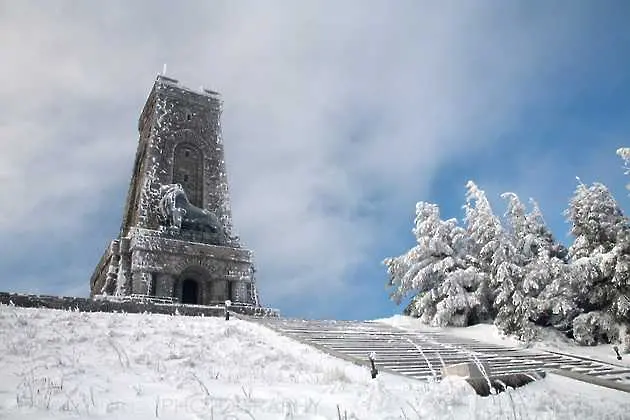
(227, 309)
(373, 371)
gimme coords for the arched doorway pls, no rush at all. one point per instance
(190, 292)
(191, 286)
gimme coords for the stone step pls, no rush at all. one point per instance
(342, 344)
(436, 356)
(616, 372)
(411, 352)
(427, 373)
(421, 354)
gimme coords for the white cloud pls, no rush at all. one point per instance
(326, 104)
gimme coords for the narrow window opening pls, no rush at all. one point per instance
(188, 171)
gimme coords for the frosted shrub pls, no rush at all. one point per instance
(595, 327)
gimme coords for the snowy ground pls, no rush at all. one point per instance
(488, 333)
(59, 364)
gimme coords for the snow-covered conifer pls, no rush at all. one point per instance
(533, 263)
(544, 237)
(596, 219)
(437, 272)
(508, 276)
(490, 247)
(600, 256)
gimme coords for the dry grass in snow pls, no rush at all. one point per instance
(62, 364)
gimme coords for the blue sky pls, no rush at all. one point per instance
(338, 118)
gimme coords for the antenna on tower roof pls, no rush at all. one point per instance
(164, 70)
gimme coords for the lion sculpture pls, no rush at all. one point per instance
(179, 213)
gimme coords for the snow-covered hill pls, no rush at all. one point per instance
(58, 364)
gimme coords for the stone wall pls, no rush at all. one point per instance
(128, 306)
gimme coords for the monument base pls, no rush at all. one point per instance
(177, 266)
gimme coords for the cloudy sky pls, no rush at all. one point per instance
(338, 117)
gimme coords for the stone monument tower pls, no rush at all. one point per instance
(176, 239)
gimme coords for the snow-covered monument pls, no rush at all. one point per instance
(176, 240)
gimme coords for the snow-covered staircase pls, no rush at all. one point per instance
(422, 354)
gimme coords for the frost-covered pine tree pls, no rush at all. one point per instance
(546, 276)
(547, 282)
(534, 261)
(597, 221)
(489, 247)
(437, 272)
(600, 258)
(623, 304)
(402, 269)
(540, 236)
(509, 274)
